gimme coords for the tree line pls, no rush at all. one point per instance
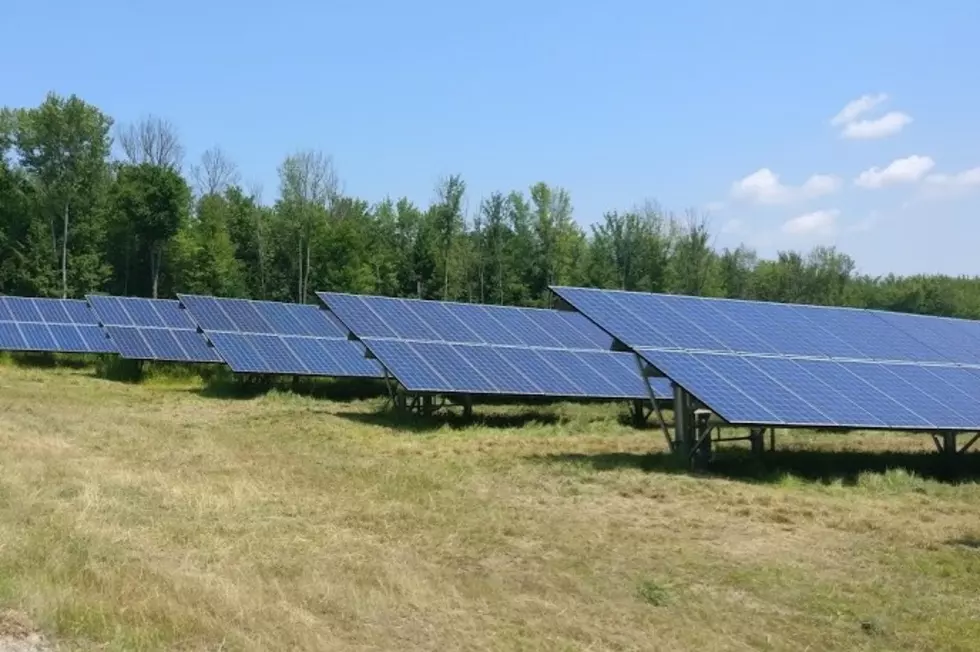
(89, 205)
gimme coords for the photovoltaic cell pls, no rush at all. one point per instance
(151, 329)
(758, 363)
(271, 337)
(448, 347)
(56, 325)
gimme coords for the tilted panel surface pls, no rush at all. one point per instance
(758, 363)
(151, 329)
(687, 323)
(271, 337)
(437, 346)
(54, 325)
(758, 390)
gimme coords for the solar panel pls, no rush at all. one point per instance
(756, 363)
(151, 329)
(271, 337)
(57, 325)
(447, 347)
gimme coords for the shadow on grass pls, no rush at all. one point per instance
(826, 467)
(967, 542)
(245, 387)
(50, 360)
(414, 423)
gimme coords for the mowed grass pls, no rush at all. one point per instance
(152, 517)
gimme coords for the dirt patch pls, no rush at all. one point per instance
(18, 634)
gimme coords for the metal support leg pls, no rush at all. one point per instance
(639, 416)
(683, 425)
(426, 405)
(757, 439)
(949, 444)
(702, 452)
(772, 440)
(467, 407)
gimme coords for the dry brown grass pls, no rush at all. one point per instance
(153, 518)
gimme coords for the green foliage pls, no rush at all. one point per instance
(73, 221)
(150, 204)
(63, 147)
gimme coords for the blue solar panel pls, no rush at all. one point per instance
(57, 325)
(436, 346)
(270, 337)
(758, 363)
(151, 329)
(952, 339)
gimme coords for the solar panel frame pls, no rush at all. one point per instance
(271, 337)
(152, 329)
(40, 324)
(450, 347)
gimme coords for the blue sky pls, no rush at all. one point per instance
(725, 107)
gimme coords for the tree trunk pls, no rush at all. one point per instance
(306, 279)
(299, 264)
(445, 283)
(64, 257)
(261, 250)
(156, 253)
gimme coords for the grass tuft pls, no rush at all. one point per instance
(653, 593)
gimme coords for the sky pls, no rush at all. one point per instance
(787, 124)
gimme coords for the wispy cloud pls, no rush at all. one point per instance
(887, 125)
(856, 108)
(869, 128)
(823, 222)
(764, 187)
(902, 170)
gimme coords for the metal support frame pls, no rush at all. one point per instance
(652, 397)
(946, 443)
(428, 404)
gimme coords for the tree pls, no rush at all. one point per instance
(206, 254)
(497, 238)
(153, 200)
(248, 225)
(693, 260)
(215, 174)
(63, 144)
(735, 269)
(151, 140)
(308, 187)
(447, 223)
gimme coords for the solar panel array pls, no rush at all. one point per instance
(61, 325)
(278, 338)
(759, 363)
(447, 347)
(151, 329)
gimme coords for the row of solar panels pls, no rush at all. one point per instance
(426, 346)
(758, 363)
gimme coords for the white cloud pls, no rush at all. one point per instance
(715, 206)
(856, 108)
(867, 128)
(902, 170)
(887, 125)
(764, 187)
(816, 223)
(965, 179)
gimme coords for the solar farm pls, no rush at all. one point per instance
(604, 474)
(714, 362)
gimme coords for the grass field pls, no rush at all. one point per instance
(155, 517)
